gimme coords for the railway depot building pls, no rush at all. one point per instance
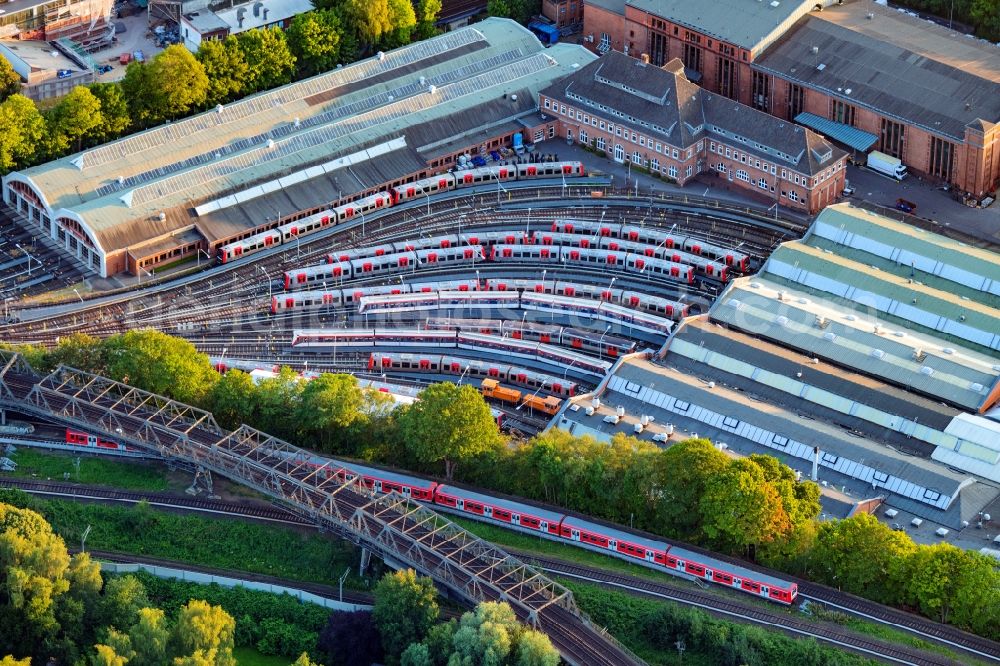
(655, 118)
(885, 335)
(868, 76)
(193, 185)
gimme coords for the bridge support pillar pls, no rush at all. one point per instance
(366, 558)
(202, 484)
(3, 417)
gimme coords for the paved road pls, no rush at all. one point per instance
(932, 202)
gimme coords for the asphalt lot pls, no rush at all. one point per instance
(134, 38)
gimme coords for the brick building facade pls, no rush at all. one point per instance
(857, 63)
(657, 119)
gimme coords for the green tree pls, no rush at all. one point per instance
(405, 609)
(179, 79)
(440, 641)
(271, 63)
(449, 423)
(427, 14)
(226, 68)
(304, 660)
(10, 81)
(369, 19)
(141, 99)
(105, 655)
(277, 403)
(740, 509)
(953, 585)
(535, 649)
(149, 637)
(33, 566)
(233, 399)
(123, 597)
(986, 16)
(314, 40)
(85, 582)
(329, 404)
(519, 10)
(22, 130)
(684, 470)
(402, 19)
(488, 635)
(416, 654)
(72, 118)
(160, 363)
(11, 661)
(115, 117)
(862, 556)
(80, 351)
(203, 634)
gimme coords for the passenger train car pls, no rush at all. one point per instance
(429, 363)
(394, 263)
(559, 526)
(478, 342)
(394, 196)
(85, 440)
(657, 237)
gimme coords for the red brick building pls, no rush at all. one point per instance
(919, 91)
(657, 119)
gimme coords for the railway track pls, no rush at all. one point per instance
(209, 292)
(678, 592)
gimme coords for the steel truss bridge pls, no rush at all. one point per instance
(391, 526)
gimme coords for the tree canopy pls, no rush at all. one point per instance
(269, 60)
(161, 364)
(449, 423)
(22, 130)
(10, 81)
(178, 81)
(405, 609)
(226, 68)
(73, 117)
(315, 39)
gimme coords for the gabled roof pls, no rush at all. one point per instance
(902, 66)
(663, 102)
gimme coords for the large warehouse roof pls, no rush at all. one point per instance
(747, 23)
(392, 109)
(800, 320)
(903, 66)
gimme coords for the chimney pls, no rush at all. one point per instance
(265, 14)
(644, 59)
(256, 8)
(240, 13)
(815, 474)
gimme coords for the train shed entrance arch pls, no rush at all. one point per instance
(391, 526)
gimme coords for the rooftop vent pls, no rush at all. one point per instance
(121, 180)
(976, 387)
(829, 337)
(927, 370)
(219, 108)
(775, 3)
(513, 98)
(822, 321)
(270, 143)
(380, 55)
(423, 80)
(781, 320)
(432, 89)
(821, 66)
(297, 122)
(919, 355)
(256, 8)
(781, 295)
(878, 353)
(162, 216)
(948, 350)
(815, 49)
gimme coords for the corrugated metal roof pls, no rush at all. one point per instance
(173, 167)
(704, 338)
(863, 287)
(787, 432)
(741, 22)
(900, 66)
(845, 134)
(847, 337)
(973, 268)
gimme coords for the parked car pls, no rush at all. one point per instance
(905, 206)
(64, 73)
(104, 69)
(138, 56)
(124, 58)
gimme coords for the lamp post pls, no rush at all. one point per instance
(202, 252)
(527, 222)
(462, 377)
(78, 294)
(600, 347)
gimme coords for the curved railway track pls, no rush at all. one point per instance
(709, 600)
(198, 294)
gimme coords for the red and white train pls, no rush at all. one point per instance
(85, 440)
(559, 526)
(393, 196)
(429, 363)
(739, 261)
(477, 342)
